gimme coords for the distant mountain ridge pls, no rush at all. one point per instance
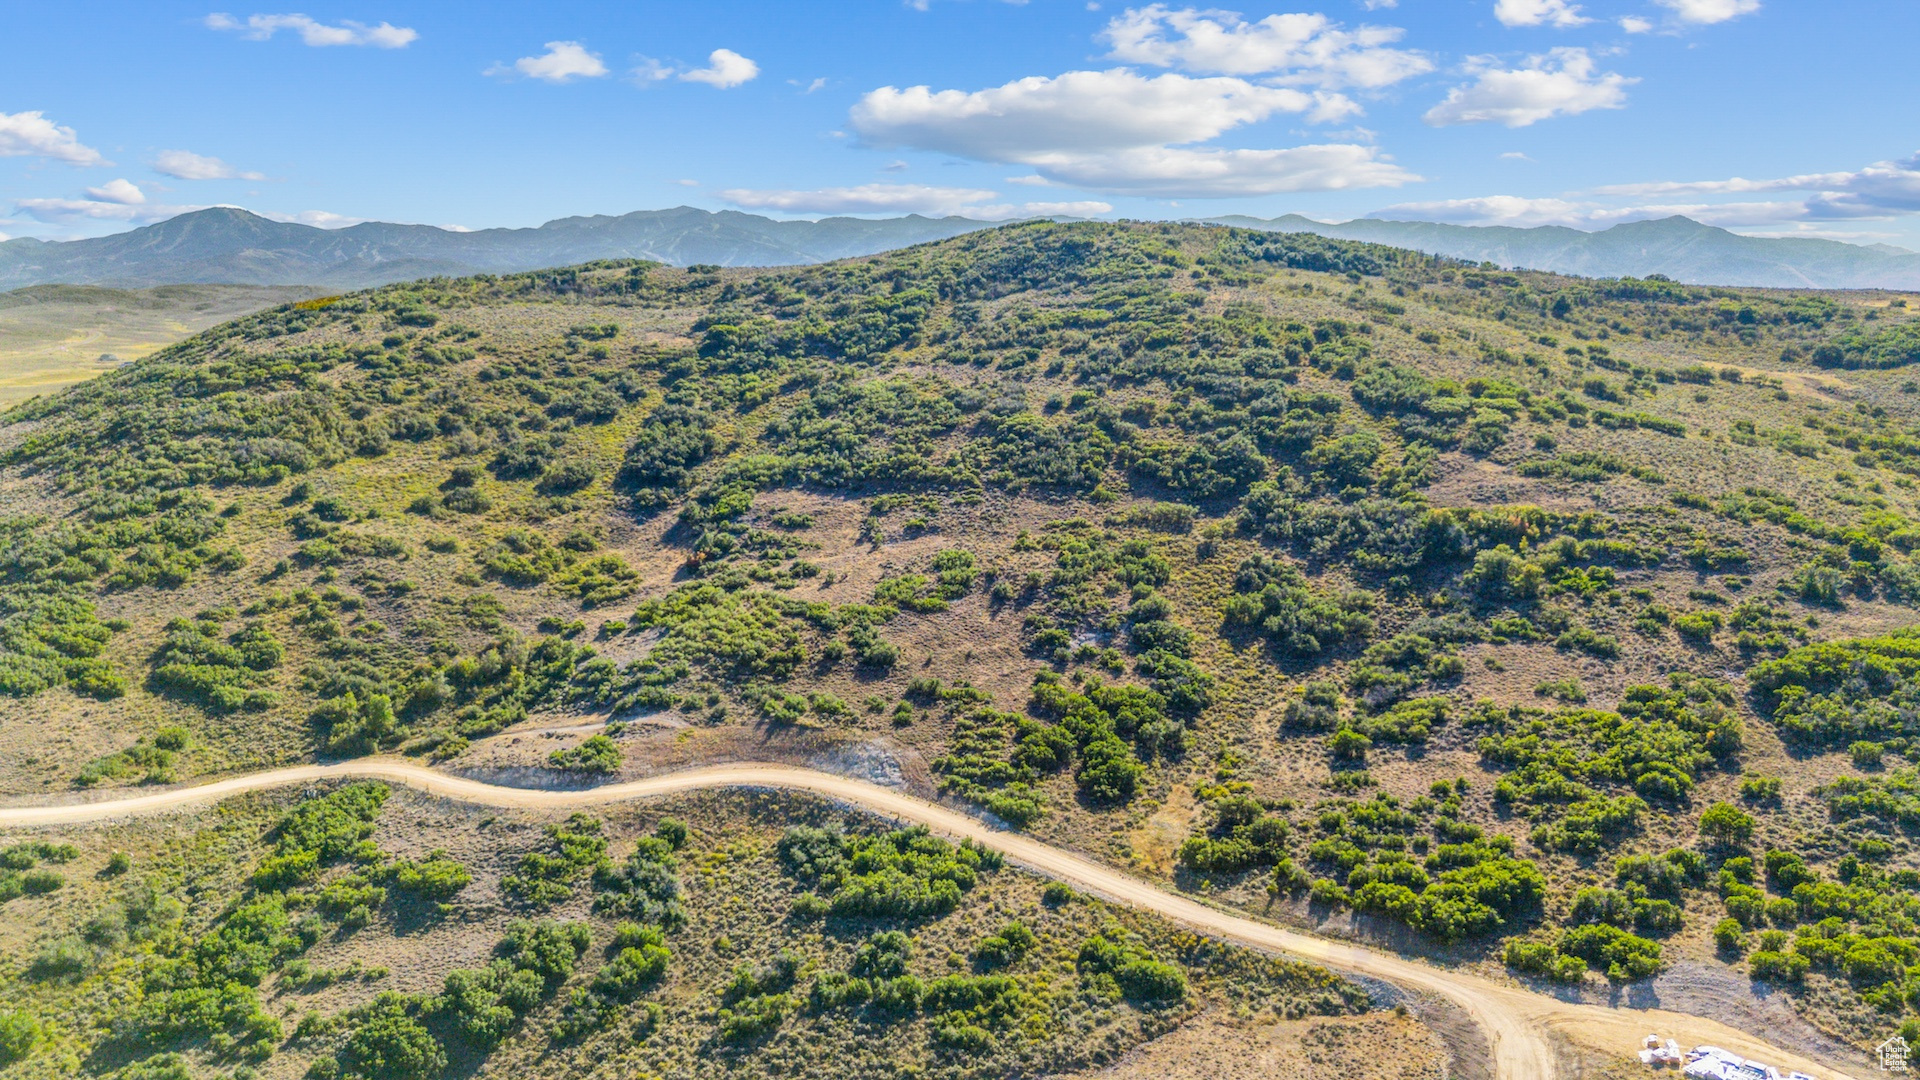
(228, 245)
(233, 246)
(1679, 247)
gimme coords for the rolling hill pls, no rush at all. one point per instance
(1553, 629)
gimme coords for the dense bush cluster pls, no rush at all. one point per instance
(906, 874)
(1274, 598)
(1835, 693)
(1564, 764)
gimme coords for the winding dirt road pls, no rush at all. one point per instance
(1523, 1026)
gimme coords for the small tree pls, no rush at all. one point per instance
(1726, 825)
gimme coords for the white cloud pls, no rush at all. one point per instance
(1514, 155)
(1558, 13)
(908, 199)
(1082, 208)
(1491, 210)
(55, 211)
(1558, 83)
(31, 134)
(1883, 189)
(321, 219)
(1078, 112)
(1117, 131)
(1519, 212)
(318, 34)
(687, 183)
(1296, 48)
(725, 69)
(1707, 12)
(124, 192)
(116, 200)
(185, 165)
(564, 61)
(650, 71)
(1735, 185)
(1634, 24)
(864, 199)
(1178, 173)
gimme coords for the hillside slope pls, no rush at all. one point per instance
(1547, 626)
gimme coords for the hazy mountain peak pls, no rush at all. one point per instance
(227, 244)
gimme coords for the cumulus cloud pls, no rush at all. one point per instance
(725, 69)
(1299, 49)
(315, 33)
(1881, 190)
(1519, 212)
(1118, 131)
(1562, 82)
(1081, 208)
(1558, 13)
(1490, 210)
(1707, 12)
(863, 199)
(125, 192)
(907, 199)
(115, 200)
(1177, 172)
(1634, 24)
(564, 61)
(31, 134)
(186, 165)
(1078, 112)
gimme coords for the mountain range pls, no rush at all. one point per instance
(230, 245)
(1679, 247)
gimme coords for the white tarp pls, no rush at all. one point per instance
(1713, 1063)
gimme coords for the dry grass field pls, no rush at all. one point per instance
(52, 336)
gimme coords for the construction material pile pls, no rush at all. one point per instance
(1708, 1062)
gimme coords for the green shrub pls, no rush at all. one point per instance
(388, 1042)
(1142, 978)
(1623, 956)
(546, 948)
(1008, 946)
(598, 754)
(18, 1034)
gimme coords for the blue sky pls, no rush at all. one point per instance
(1768, 116)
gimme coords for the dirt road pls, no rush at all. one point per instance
(1522, 1025)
